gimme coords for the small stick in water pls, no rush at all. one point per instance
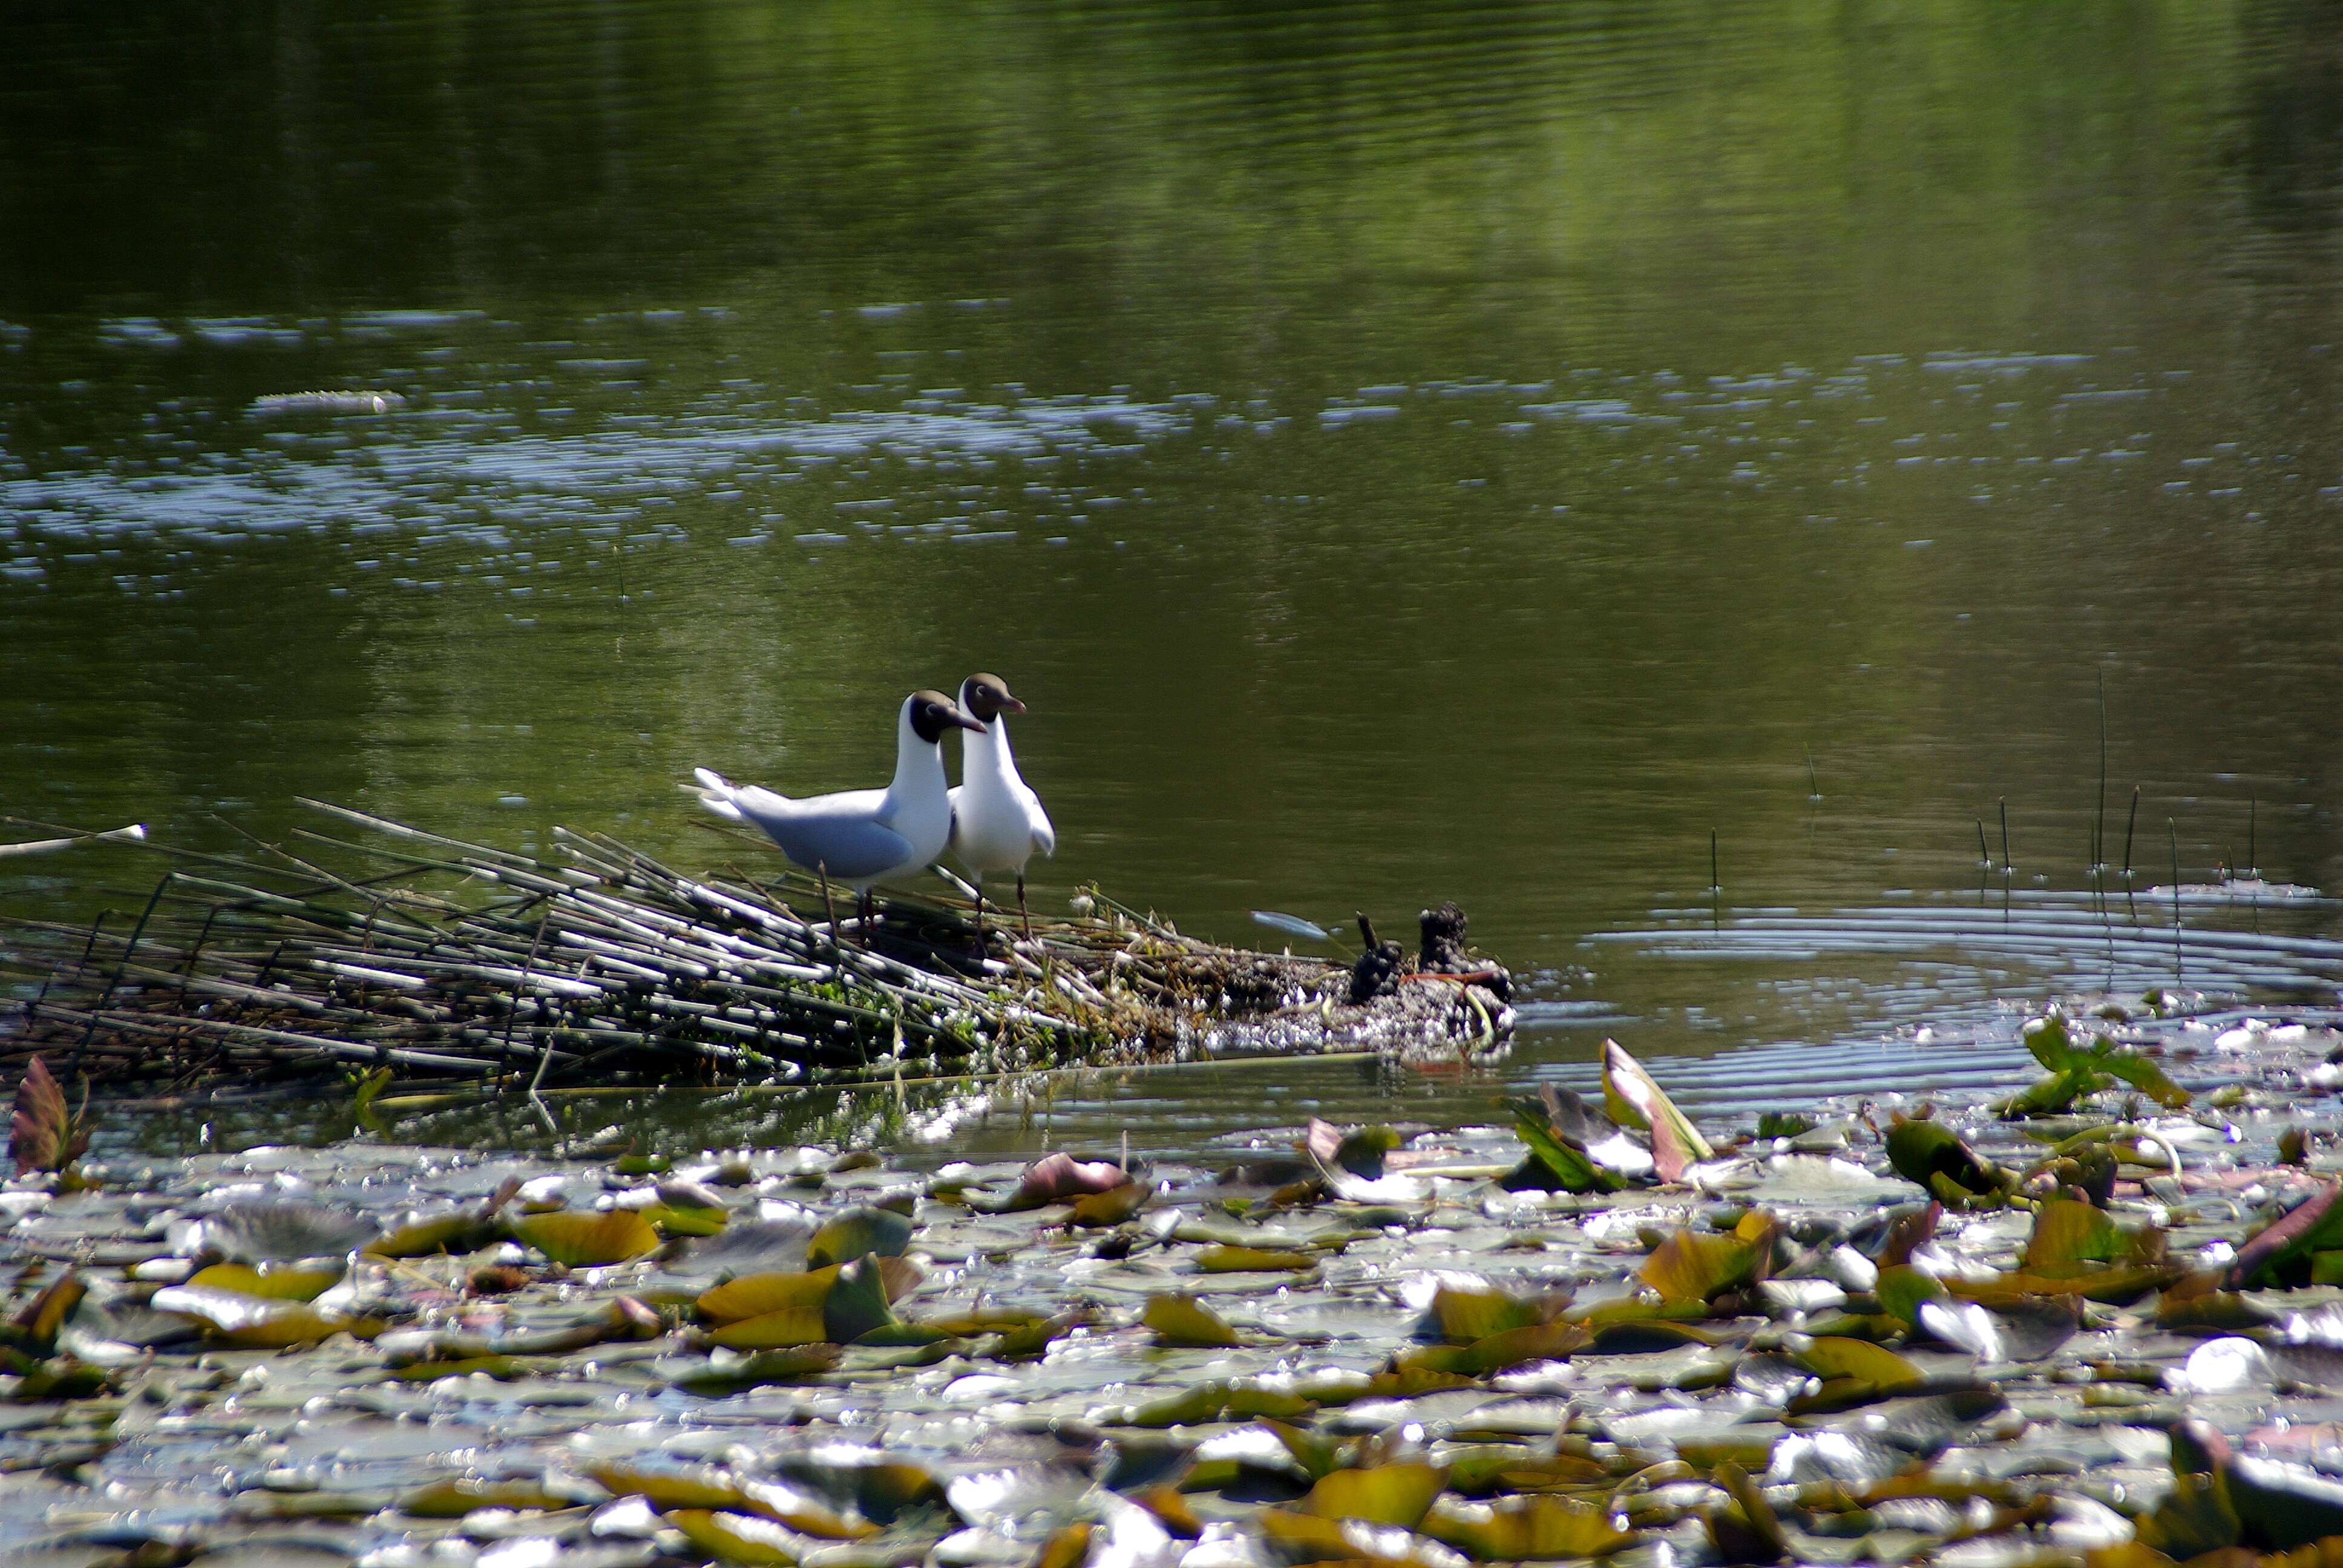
(2099, 822)
(2005, 834)
(2128, 826)
(2179, 961)
(1984, 855)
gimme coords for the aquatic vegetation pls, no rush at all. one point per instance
(1375, 1345)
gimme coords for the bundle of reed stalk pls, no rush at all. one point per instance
(433, 957)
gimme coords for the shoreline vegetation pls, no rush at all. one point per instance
(413, 958)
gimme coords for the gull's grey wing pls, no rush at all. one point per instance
(847, 842)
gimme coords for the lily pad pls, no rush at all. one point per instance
(1700, 1266)
(1183, 1322)
(1560, 1158)
(278, 1232)
(857, 1231)
(1539, 1528)
(738, 1538)
(588, 1240)
(1253, 1260)
(2280, 1252)
(1634, 1098)
(275, 1284)
(1385, 1494)
(255, 1323)
(1932, 1154)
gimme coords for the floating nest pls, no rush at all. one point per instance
(435, 957)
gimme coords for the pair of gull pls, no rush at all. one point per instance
(993, 821)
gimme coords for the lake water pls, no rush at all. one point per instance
(1400, 453)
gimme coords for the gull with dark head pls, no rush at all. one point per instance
(862, 837)
(997, 820)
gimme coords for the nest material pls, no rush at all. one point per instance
(436, 958)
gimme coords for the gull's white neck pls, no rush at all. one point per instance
(919, 764)
(988, 753)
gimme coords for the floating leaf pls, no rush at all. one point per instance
(1481, 1471)
(2075, 1070)
(1464, 1316)
(1071, 1545)
(35, 1328)
(1829, 1356)
(456, 1230)
(2119, 1284)
(1902, 1288)
(1634, 1098)
(580, 1239)
(1222, 1402)
(274, 1284)
(1853, 1371)
(858, 1231)
(2067, 1232)
(258, 1323)
(1700, 1266)
(2279, 1254)
(790, 1364)
(454, 1499)
(1062, 1176)
(2283, 1507)
(796, 1301)
(670, 1489)
(884, 1491)
(691, 1220)
(1253, 1260)
(2194, 1517)
(740, 1538)
(1305, 1538)
(1563, 1159)
(1497, 1351)
(2019, 1332)
(1183, 1322)
(1357, 1152)
(1386, 1494)
(1113, 1206)
(1529, 1529)
(1744, 1528)
(1933, 1155)
(837, 1305)
(280, 1232)
(1646, 1336)
(752, 1247)
(857, 1301)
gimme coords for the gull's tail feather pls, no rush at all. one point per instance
(716, 793)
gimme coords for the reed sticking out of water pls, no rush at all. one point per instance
(2179, 961)
(1715, 885)
(1984, 855)
(2005, 834)
(2099, 818)
(2128, 826)
(1814, 781)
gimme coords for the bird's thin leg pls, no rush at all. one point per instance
(1025, 913)
(822, 869)
(979, 919)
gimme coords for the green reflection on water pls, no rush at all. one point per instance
(1491, 445)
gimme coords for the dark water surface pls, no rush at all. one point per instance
(1400, 452)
